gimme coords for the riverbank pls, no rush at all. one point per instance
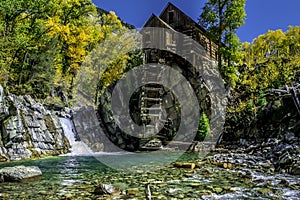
(276, 155)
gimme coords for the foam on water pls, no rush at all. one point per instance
(79, 148)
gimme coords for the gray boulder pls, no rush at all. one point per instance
(295, 168)
(18, 173)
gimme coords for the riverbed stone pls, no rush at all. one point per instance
(103, 189)
(132, 191)
(19, 173)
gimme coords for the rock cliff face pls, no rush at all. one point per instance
(28, 130)
(278, 118)
(90, 130)
(164, 103)
(274, 134)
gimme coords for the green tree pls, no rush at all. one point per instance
(270, 61)
(203, 128)
(26, 64)
(222, 18)
(109, 61)
(44, 43)
(71, 23)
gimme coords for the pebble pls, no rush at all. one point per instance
(132, 191)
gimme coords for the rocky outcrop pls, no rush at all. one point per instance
(272, 134)
(276, 120)
(19, 173)
(241, 160)
(164, 103)
(28, 129)
(90, 130)
(279, 155)
(174, 108)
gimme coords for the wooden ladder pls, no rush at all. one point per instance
(151, 109)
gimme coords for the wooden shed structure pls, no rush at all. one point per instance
(174, 19)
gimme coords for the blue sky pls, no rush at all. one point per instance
(262, 15)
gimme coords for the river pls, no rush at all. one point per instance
(75, 177)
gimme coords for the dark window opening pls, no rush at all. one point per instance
(203, 43)
(171, 17)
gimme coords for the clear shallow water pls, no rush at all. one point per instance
(59, 174)
(75, 177)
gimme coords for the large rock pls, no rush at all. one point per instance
(295, 170)
(89, 129)
(283, 156)
(18, 173)
(3, 109)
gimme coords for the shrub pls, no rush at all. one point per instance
(203, 128)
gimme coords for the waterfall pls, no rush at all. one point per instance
(77, 147)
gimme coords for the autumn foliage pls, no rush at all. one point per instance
(271, 61)
(44, 43)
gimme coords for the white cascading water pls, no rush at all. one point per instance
(77, 147)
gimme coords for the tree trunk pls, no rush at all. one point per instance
(220, 35)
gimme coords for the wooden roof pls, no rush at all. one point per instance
(156, 18)
(170, 5)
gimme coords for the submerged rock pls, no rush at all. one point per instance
(18, 173)
(107, 189)
(132, 191)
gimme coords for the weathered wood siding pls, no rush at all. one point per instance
(174, 18)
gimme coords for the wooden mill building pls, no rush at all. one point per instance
(176, 46)
(174, 19)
